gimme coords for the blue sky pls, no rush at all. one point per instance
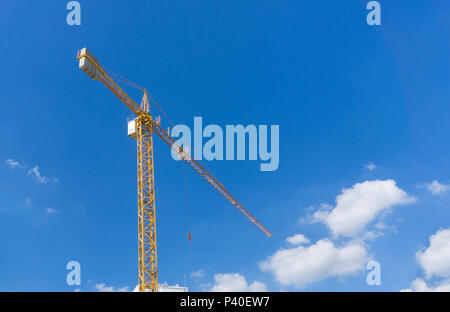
(344, 94)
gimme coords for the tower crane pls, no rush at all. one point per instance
(144, 127)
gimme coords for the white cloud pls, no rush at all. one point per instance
(370, 166)
(299, 266)
(198, 274)
(437, 188)
(357, 206)
(103, 288)
(297, 239)
(371, 235)
(51, 211)
(435, 259)
(380, 225)
(419, 285)
(32, 172)
(13, 163)
(319, 215)
(40, 178)
(234, 282)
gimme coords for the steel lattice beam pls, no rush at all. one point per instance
(148, 265)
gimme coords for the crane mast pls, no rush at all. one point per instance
(148, 265)
(144, 128)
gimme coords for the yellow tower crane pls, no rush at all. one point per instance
(144, 128)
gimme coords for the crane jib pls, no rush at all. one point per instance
(216, 184)
(90, 65)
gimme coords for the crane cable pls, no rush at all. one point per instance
(124, 80)
(188, 226)
(133, 85)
